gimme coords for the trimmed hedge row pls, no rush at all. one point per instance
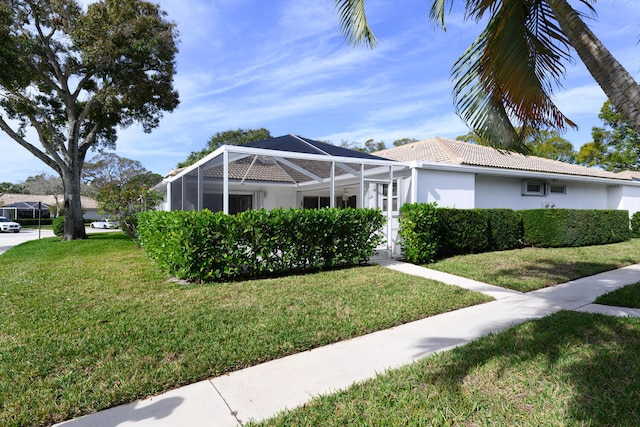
(429, 233)
(206, 246)
(574, 227)
(635, 224)
(33, 221)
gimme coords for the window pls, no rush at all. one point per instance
(315, 202)
(237, 202)
(350, 202)
(240, 203)
(394, 197)
(557, 189)
(533, 188)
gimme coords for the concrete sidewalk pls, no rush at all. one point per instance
(262, 391)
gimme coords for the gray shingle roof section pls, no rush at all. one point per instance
(298, 144)
(444, 150)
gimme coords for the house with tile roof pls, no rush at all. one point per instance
(464, 175)
(26, 205)
(296, 172)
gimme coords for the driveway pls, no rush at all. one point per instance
(9, 240)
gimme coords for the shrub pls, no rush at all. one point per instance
(462, 231)
(58, 226)
(574, 227)
(205, 246)
(418, 232)
(505, 229)
(635, 224)
(123, 202)
(429, 233)
(34, 221)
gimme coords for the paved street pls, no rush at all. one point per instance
(9, 240)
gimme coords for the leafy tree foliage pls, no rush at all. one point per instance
(547, 144)
(7, 187)
(124, 202)
(228, 137)
(369, 146)
(49, 185)
(615, 147)
(403, 141)
(75, 77)
(550, 145)
(109, 168)
(505, 80)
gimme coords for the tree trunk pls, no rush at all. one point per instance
(616, 82)
(73, 222)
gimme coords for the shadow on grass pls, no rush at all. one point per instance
(594, 361)
(548, 272)
(111, 235)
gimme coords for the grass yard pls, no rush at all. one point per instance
(529, 269)
(88, 325)
(567, 369)
(628, 296)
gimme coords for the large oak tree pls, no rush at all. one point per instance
(505, 79)
(69, 78)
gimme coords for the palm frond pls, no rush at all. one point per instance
(353, 23)
(510, 71)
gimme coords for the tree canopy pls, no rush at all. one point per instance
(615, 146)
(547, 144)
(73, 77)
(8, 187)
(506, 79)
(109, 168)
(227, 137)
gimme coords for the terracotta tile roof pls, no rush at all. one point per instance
(634, 175)
(444, 150)
(259, 168)
(9, 199)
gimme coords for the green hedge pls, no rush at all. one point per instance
(574, 227)
(428, 233)
(30, 222)
(635, 224)
(205, 246)
(462, 231)
(58, 226)
(505, 229)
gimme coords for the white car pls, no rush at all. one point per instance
(104, 223)
(8, 225)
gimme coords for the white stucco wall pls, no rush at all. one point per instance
(629, 198)
(447, 189)
(506, 192)
(279, 198)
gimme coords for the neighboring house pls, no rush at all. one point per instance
(20, 206)
(291, 171)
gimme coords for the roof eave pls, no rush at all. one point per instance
(518, 173)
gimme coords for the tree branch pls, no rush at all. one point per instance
(30, 147)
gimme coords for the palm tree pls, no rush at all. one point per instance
(505, 79)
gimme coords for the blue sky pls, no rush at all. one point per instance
(282, 65)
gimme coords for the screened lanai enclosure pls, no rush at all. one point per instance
(289, 172)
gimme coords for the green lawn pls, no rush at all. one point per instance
(567, 369)
(534, 268)
(87, 325)
(628, 296)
